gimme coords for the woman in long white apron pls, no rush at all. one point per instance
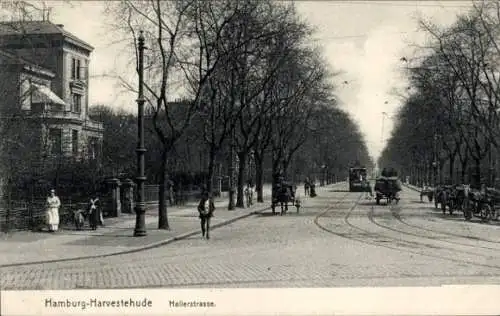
(53, 204)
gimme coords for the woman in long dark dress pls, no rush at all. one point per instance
(312, 190)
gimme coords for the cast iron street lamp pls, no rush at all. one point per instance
(140, 208)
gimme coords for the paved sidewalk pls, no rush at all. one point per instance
(24, 247)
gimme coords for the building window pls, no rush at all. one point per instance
(55, 141)
(93, 147)
(75, 68)
(74, 142)
(77, 103)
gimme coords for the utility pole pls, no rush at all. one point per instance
(140, 208)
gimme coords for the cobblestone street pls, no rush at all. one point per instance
(338, 239)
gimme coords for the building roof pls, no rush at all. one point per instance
(40, 27)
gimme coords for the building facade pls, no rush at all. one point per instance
(45, 83)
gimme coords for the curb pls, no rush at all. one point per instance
(141, 248)
(411, 188)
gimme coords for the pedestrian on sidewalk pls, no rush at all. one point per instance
(249, 194)
(170, 192)
(312, 192)
(206, 210)
(307, 186)
(53, 204)
(95, 212)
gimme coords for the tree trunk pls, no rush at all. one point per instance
(259, 177)
(478, 171)
(275, 169)
(211, 171)
(285, 165)
(464, 159)
(240, 201)
(162, 203)
(463, 164)
(451, 166)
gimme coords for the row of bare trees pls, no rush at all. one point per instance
(252, 81)
(447, 129)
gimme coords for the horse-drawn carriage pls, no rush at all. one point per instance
(388, 188)
(451, 196)
(472, 202)
(483, 204)
(282, 194)
(428, 192)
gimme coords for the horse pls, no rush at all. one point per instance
(284, 196)
(205, 209)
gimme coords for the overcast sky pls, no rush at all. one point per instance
(364, 40)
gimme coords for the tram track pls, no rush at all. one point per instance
(395, 216)
(349, 236)
(451, 234)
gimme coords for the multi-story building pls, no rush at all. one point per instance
(44, 81)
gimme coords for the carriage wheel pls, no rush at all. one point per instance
(486, 213)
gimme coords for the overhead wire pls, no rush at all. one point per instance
(319, 38)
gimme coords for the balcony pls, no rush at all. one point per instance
(93, 126)
(52, 112)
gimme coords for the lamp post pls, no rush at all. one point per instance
(140, 208)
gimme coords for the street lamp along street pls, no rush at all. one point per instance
(140, 208)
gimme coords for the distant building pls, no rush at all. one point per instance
(44, 82)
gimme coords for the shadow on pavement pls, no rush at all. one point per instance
(267, 214)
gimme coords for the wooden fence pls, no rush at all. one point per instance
(22, 215)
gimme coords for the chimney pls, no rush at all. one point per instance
(60, 25)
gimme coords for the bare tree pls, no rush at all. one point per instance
(167, 26)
